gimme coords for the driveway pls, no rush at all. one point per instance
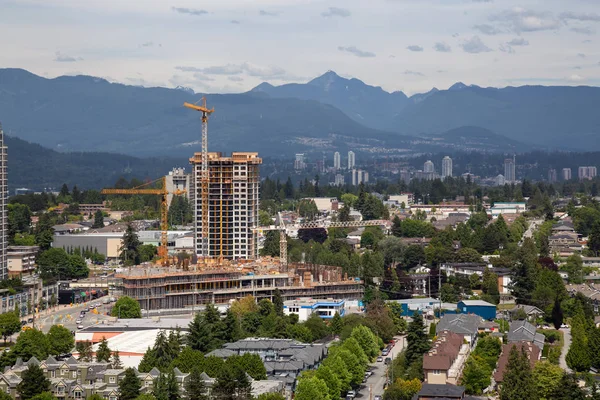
(376, 382)
(562, 362)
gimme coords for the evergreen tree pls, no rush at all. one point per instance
(568, 389)
(557, 314)
(129, 250)
(98, 220)
(417, 339)
(336, 324)
(33, 382)
(578, 357)
(85, 351)
(64, 191)
(130, 385)
(103, 352)
(195, 387)
(278, 302)
(116, 360)
(518, 380)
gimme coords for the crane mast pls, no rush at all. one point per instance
(204, 177)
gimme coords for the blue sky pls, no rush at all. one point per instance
(233, 45)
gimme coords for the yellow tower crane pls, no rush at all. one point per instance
(204, 177)
(163, 253)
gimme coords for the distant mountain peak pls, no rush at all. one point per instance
(263, 87)
(458, 86)
(326, 80)
(185, 89)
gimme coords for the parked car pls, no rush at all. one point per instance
(79, 326)
(388, 360)
(379, 359)
(23, 323)
(378, 397)
(78, 322)
(30, 320)
(351, 394)
(384, 352)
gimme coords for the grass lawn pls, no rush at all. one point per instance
(504, 307)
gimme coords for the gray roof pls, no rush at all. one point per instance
(477, 303)
(464, 324)
(221, 353)
(523, 331)
(437, 391)
(527, 308)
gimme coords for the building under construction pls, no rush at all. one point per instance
(170, 288)
(233, 200)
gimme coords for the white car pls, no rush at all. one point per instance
(79, 326)
(78, 322)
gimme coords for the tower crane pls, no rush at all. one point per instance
(163, 252)
(204, 177)
(281, 227)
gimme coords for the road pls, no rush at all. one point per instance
(562, 361)
(376, 382)
(533, 225)
(67, 315)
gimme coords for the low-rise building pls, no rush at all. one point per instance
(507, 208)
(533, 354)
(478, 307)
(431, 391)
(304, 307)
(468, 269)
(21, 260)
(532, 312)
(419, 305)
(466, 325)
(523, 331)
(444, 362)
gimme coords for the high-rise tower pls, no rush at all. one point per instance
(428, 167)
(337, 161)
(233, 196)
(509, 170)
(351, 159)
(3, 212)
(446, 167)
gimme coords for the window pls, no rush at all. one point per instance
(62, 372)
(111, 379)
(61, 389)
(74, 374)
(77, 394)
(112, 397)
(436, 372)
(53, 374)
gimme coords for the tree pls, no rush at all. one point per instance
(546, 377)
(98, 220)
(126, 307)
(367, 340)
(19, 219)
(10, 323)
(578, 357)
(85, 350)
(129, 250)
(147, 252)
(50, 396)
(317, 327)
(60, 339)
(418, 342)
(568, 389)
(130, 385)
(195, 387)
(331, 380)
(116, 361)
(574, 268)
(31, 343)
(103, 353)
(476, 375)
(278, 302)
(336, 324)
(312, 389)
(518, 380)
(33, 382)
(232, 383)
(272, 396)
(467, 255)
(557, 314)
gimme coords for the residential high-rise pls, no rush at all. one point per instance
(339, 180)
(405, 175)
(299, 163)
(428, 167)
(587, 172)
(177, 179)
(499, 180)
(509, 170)
(446, 167)
(359, 176)
(551, 175)
(233, 196)
(351, 159)
(3, 212)
(337, 160)
(566, 172)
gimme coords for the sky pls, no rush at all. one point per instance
(230, 46)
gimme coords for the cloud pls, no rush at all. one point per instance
(454, 35)
(518, 42)
(506, 49)
(487, 29)
(357, 52)
(147, 44)
(270, 72)
(522, 20)
(201, 77)
(580, 16)
(190, 11)
(483, 1)
(392, 56)
(65, 58)
(586, 30)
(336, 12)
(235, 21)
(576, 78)
(586, 41)
(235, 79)
(442, 47)
(580, 55)
(474, 46)
(416, 73)
(415, 48)
(268, 13)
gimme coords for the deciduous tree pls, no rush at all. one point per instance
(60, 339)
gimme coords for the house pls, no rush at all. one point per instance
(564, 243)
(419, 305)
(523, 331)
(444, 362)
(304, 307)
(533, 354)
(466, 325)
(532, 312)
(478, 307)
(431, 391)
(468, 269)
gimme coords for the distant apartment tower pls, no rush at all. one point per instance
(233, 196)
(178, 180)
(359, 176)
(499, 180)
(3, 211)
(405, 175)
(337, 160)
(552, 175)
(446, 167)
(587, 173)
(428, 167)
(299, 163)
(509, 170)
(351, 160)
(339, 180)
(566, 173)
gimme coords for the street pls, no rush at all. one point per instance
(376, 382)
(566, 344)
(67, 315)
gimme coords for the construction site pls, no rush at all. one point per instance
(224, 194)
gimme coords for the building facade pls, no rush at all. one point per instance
(337, 160)
(299, 163)
(351, 159)
(587, 173)
(305, 307)
(21, 260)
(179, 180)
(509, 170)
(428, 167)
(552, 175)
(3, 211)
(233, 197)
(566, 173)
(446, 167)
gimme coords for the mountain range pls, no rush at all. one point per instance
(83, 113)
